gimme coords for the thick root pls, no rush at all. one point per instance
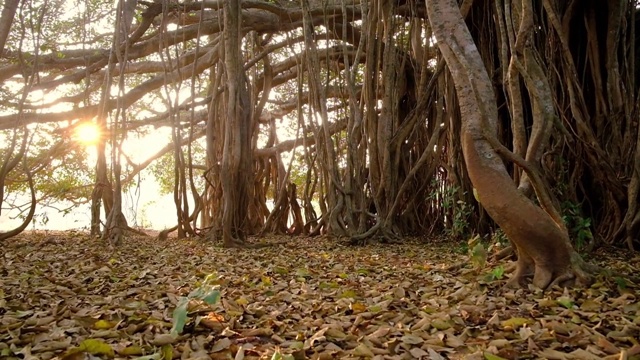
(502, 254)
(234, 243)
(544, 278)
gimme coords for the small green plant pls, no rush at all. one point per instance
(497, 273)
(462, 248)
(457, 211)
(280, 356)
(579, 226)
(206, 292)
(461, 213)
(500, 238)
(621, 282)
(477, 252)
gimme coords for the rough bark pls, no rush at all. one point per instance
(544, 250)
(237, 163)
(6, 20)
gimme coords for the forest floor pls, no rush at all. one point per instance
(68, 296)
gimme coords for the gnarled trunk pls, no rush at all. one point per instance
(544, 250)
(236, 173)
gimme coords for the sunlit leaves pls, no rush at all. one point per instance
(104, 324)
(93, 347)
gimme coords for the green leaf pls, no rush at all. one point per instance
(280, 356)
(104, 324)
(440, 324)
(196, 293)
(515, 322)
(212, 297)
(131, 350)
(280, 270)
(621, 282)
(498, 272)
(21, 314)
(479, 255)
(490, 356)
(96, 347)
(167, 352)
(565, 302)
(180, 316)
(348, 294)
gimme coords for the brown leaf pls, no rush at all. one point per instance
(164, 339)
(221, 344)
(363, 350)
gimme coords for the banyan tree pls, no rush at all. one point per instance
(407, 117)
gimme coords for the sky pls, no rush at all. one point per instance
(143, 206)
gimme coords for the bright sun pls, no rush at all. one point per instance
(87, 133)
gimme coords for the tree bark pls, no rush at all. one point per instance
(237, 160)
(6, 19)
(544, 250)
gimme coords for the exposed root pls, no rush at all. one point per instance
(377, 232)
(164, 234)
(510, 267)
(520, 277)
(565, 279)
(502, 254)
(234, 244)
(239, 244)
(136, 231)
(361, 239)
(578, 273)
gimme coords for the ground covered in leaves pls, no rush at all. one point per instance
(68, 296)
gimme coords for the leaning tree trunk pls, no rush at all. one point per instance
(10, 161)
(544, 249)
(6, 19)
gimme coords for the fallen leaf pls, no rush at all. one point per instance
(221, 344)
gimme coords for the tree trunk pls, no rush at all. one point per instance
(544, 250)
(6, 19)
(237, 160)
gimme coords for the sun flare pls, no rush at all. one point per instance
(87, 133)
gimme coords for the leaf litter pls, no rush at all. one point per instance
(69, 297)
